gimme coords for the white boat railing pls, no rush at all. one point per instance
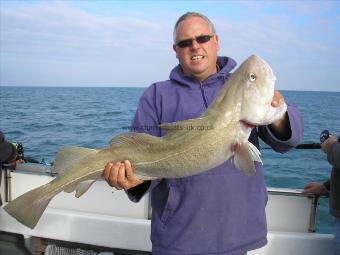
(304, 207)
(304, 204)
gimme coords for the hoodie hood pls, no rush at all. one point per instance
(225, 65)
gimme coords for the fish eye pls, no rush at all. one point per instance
(252, 77)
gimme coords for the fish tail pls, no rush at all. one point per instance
(28, 208)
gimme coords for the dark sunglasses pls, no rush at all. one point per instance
(199, 39)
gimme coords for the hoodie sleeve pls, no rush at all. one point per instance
(147, 117)
(146, 120)
(296, 126)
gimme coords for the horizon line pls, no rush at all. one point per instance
(136, 87)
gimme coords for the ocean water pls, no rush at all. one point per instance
(45, 119)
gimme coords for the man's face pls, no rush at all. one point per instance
(198, 60)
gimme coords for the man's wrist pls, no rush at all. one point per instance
(281, 128)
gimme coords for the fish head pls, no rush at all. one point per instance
(257, 90)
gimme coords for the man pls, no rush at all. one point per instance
(331, 147)
(221, 211)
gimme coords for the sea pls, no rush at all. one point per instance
(45, 119)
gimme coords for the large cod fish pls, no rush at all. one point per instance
(243, 103)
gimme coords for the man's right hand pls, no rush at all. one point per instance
(120, 175)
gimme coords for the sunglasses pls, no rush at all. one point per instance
(199, 39)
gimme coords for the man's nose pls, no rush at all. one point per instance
(195, 45)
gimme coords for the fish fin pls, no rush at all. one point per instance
(244, 158)
(255, 152)
(28, 208)
(184, 125)
(80, 188)
(134, 139)
(69, 156)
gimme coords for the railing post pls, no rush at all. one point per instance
(8, 185)
(313, 212)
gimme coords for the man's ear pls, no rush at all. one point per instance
(217, 41)
(175, 49)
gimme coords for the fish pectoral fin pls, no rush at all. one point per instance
(134, 139)
(244, 157)
(255, 153)
(70, 156)
(190, 124)
(80, 188)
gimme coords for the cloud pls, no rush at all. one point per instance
(303, 50)
(61, 30)
(82, 43)
(63, 45)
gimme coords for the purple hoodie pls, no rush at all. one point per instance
(220, 211)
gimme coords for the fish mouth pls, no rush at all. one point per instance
(247, 124)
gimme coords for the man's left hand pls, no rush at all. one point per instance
(281, 127)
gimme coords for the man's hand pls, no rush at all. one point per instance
(281, 127)
(120, 175)
(277, 99)
(314, 187)
(327, 144)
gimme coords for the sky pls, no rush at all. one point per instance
(129, 43)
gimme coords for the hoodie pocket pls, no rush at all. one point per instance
(171, 204)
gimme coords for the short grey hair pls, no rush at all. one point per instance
(193, 14)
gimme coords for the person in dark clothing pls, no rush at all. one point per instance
(331, 147)
(8, 152)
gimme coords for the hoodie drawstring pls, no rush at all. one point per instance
(203, 96)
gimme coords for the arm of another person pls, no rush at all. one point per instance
(317, 188)
(285, 133)
(332, 148)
